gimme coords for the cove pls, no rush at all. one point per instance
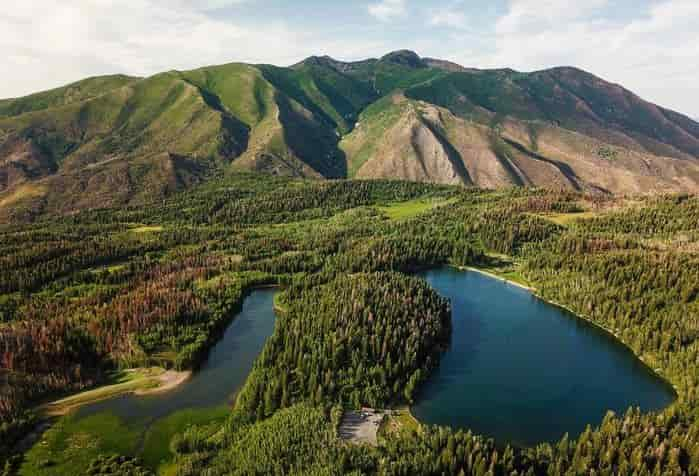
(210, 390)
(523, 371)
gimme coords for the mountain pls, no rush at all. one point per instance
(117, 140)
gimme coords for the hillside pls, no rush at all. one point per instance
(118, 140)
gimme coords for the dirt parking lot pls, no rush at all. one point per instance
(361, 426)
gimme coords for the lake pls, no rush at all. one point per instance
(216, 382)
(524, 371)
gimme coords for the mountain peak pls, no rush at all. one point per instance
(330, 62)
(404, 58)
(316, 61)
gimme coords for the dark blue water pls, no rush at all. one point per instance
(224, 372)
(523, 371)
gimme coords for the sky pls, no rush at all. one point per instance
(649, 46)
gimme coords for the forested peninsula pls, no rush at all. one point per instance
(85, 296)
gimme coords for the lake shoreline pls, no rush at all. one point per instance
(143, 385)
(582, 317)
(152, 405)
(451, 285)
(145, 381)
(495, 276)
(168, 381)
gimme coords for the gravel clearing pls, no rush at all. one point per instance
(361, 427)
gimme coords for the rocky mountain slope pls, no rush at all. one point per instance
(116, 140)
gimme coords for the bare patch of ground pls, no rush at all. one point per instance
(361, 427)
(168, 380)
(137, 381)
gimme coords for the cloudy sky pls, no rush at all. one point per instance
(649, 46)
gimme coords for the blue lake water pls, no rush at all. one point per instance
(524, 371)
(215, 383)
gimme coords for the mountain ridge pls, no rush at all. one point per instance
(121, 140)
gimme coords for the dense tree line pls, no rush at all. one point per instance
(35, 265)
(302, 440)
(94, 291)
(12, 431)
(662, 215)
(372, 340)
(115, 465)
(123, 287)
(320, 200)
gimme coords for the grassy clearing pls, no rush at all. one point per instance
(114, 268)
(565, 219)
(121, 383)
(278, 306)
(515, 276)
(504, 267)
(509, 274)
(147, 229)
(413, 208)
(156, 447)
(400, 421)
(71, 444)
(24, 192)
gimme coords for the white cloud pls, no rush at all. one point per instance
(56, 42)
(207, 5)
(449, 17)
(387, 10)
(533, 14)
(653, 54)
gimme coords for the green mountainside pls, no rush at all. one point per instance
(118, 140)
(76, 92)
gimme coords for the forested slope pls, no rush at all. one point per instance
(154, 285)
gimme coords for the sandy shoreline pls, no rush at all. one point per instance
(145, 382)
(167, 381)
(493, 275)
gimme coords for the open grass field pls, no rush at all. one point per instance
(147, 229)
(565, 219)
(156, 446)
(71, 444)
(412, 208)
(399, 421)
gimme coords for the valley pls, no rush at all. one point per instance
(153, 419)
(171, 284)
(220, 270)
